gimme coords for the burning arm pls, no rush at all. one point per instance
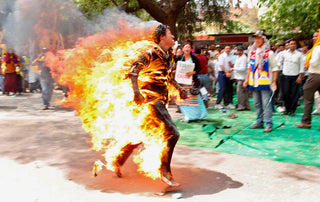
(134, 73)
(183, 92)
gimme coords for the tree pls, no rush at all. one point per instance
(185, 15)
(290, 18)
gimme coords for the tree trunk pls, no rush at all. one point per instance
(164, 11)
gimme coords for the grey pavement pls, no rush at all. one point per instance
(45, 156)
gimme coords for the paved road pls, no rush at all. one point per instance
(44, 156)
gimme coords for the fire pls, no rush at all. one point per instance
(95, 72)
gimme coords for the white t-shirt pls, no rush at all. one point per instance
(314, 64)
(293, 63)
(240, 67)
(224, 60)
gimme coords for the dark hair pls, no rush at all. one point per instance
(161, 30)
(197, 50)
(297, 42)
(187, 43)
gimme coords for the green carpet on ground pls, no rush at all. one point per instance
(285, 143)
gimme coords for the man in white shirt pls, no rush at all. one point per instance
(312, 84)
(293, 68)
(224, 78)
(278, 95)
(240, 73)
(262, 80)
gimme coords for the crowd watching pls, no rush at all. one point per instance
(277, 76)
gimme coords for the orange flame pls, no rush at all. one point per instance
(95, 71)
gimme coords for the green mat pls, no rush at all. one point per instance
(285, 143)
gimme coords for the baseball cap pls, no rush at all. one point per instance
(259, 33)
(240, 47)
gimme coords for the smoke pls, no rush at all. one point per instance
(57, 24)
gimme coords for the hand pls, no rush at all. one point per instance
(189, 74)
(245, 84)
(228, 75)
(273, 86)
(183, 93)
(299, 80)
(138, 98)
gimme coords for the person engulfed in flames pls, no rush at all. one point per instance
(157, 65)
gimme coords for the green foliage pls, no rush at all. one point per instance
(189, 18)
(290, 18)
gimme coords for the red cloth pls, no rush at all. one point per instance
(203, 63)
(11, 83)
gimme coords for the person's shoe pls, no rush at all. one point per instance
(285, 113)
(45, 108)
(268, 129)
(231, 106)
(292, 114)
(168, 179)
(281, 109)
(255, 126)
(241, 109)
(303, 125)
(315, 112)
(218, 106)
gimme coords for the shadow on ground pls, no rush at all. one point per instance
(64, 144)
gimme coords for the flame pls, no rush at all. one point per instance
(95, 72)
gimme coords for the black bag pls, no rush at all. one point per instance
(194, 91)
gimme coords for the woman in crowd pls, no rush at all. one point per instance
(10, 62)
(193, 108)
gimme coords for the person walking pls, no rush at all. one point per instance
(262, 80)
(46, 82)
(160, 60)
(312, 84)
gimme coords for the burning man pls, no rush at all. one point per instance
(156, 64)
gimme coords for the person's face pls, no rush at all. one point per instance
(292, 45)
(187, 49)
(315, 37)
(259, 41)
(286, 46)
(227, 49)
(239, 52)
(281, 48)
(179, 51)
(168, 39)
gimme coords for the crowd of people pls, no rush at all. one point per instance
(18, 74)
(271, 75)
(276, 76)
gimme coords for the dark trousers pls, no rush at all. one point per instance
(278, 96)
(171, 135)
(309, 88)
(225, 89)
(290, 90)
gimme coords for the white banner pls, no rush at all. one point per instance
(181, 72)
